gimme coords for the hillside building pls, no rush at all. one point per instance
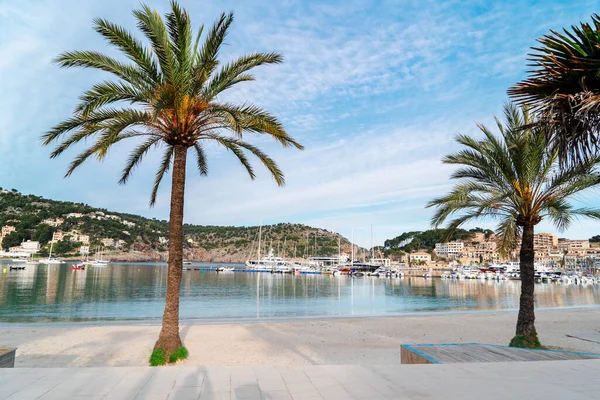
(6, 230)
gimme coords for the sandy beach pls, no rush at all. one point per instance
(361, 341)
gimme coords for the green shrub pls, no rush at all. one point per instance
(158, 358)
(526, 341)
(179, 354)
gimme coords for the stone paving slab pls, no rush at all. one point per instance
(573, 379)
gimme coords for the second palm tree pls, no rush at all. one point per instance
(515, 178)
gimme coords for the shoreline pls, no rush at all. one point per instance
(274, 320)
(358, 340)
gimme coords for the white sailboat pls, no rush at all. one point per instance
(100, 262)
(50, 259)
(32, 261)
(268, 263)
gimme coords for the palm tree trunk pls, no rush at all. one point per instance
(526, 319)
(169, 339)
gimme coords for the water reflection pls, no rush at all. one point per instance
(135, 291)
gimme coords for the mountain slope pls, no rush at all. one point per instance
(139, 238)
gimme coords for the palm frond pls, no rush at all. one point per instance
(136, 156)
(95, 60)
(164, 167)
(236, 72)
(201, 161)
(152, 25)
(128, 44)
(563, 88)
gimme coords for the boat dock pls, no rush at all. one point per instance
(457, 353)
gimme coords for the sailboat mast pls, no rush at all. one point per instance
(284, 244)
(339, 250)
(259, 237)
(372, 248)
(352, 260)
(51, 244)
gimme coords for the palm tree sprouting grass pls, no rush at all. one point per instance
(515, 178)
(563, 88)
(166, 97)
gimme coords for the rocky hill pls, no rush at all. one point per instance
(135, 238)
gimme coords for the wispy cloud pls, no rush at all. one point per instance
(375, 90)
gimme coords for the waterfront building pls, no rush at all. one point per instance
(419, 257)
(29, 247)
(574, 246)
(544, 241)
(449, 249)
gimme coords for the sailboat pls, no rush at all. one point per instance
(50, 259)
(100, 262)
(269, 262)
(32, 261)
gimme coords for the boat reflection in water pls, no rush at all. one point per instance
(136, 291)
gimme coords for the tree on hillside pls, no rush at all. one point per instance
(168, 97)
(515, 178)
(564, 89)
(14, 239)
(43, 233)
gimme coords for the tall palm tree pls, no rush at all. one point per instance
(166, 96)
(564, 88)
(515, 178)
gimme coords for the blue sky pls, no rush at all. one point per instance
(375, 90)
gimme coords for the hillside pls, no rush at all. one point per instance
(132, 237)
(426, 240)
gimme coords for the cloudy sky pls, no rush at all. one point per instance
(375, 90)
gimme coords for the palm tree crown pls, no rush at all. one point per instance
(166, 95)
(564, 87)
(515, 179)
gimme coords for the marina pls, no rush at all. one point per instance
(125, 292)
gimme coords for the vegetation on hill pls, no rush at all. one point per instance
(426, 240)
(27, 213)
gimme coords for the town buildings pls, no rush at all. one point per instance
(549, 250)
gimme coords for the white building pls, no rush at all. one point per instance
(84, 250)
(53, 222)
(26, 248)
(31, 246)
(107, 242)
(74, 215)
(450, 249)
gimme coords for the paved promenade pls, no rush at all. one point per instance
(546, 380)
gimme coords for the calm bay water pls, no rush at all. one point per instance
(136, 292)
